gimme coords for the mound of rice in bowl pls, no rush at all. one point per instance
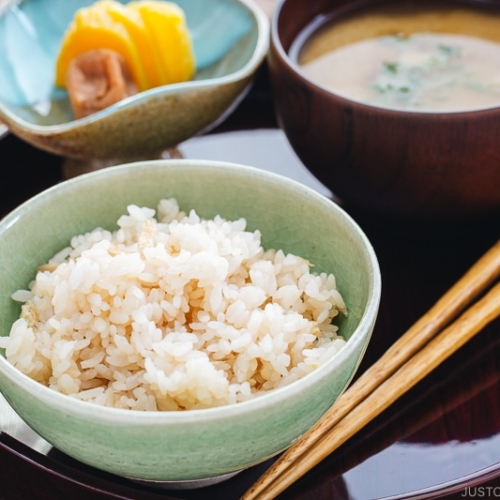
(173, 313)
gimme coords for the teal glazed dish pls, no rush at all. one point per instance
(230, 39)
(201, 444)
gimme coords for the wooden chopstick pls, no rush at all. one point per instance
(375, 390)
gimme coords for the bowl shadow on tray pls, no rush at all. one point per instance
(230, 41)
(229, 488)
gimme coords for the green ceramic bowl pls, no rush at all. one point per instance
(230, 41)
(196, 444)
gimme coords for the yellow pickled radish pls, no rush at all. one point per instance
(170, 37)
(136, 28)
(93, 28)
(151, 36)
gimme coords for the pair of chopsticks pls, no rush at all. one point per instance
(421, 349)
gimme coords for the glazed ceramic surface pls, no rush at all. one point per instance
(230, 39)
(402, 164)
(200, 443)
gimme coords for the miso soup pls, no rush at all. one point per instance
(408, 58)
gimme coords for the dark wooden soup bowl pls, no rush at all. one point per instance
(440, 166)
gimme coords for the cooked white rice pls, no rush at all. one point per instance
(173, 313)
